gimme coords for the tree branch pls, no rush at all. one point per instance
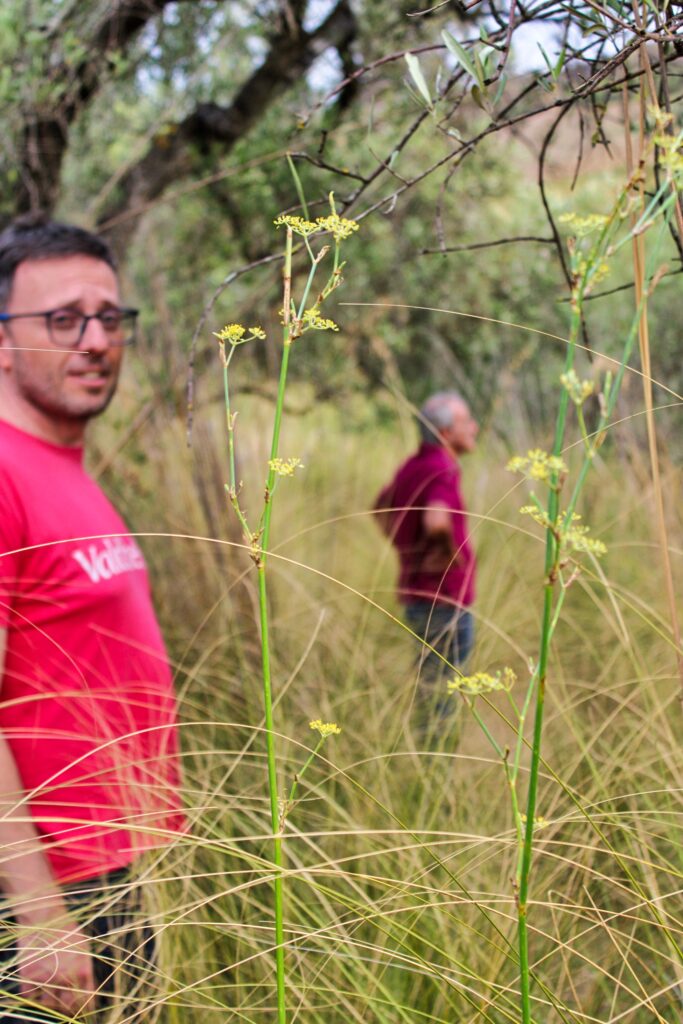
(486, 245)
(172, 153)
(45, 135)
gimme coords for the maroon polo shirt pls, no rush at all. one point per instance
(429, 477)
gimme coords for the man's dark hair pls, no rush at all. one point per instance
(35, 237)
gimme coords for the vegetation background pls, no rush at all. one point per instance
(167, 126)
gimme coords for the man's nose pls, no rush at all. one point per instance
(94, 337)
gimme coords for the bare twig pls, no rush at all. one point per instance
(487, 245)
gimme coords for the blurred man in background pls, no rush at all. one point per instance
(88, 745)
(422, 512)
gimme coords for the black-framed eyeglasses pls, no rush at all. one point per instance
(66, 327)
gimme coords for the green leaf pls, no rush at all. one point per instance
(419, 79)
(546, 58)
(544, 83)
(460, 54)
(480, 69)
(500, 90)
(485, 55)
(557, 70)
(480, 97)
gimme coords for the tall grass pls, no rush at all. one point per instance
(399, 860)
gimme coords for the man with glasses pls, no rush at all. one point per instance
(88, 746)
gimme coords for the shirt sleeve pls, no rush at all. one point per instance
(12, 540)
(444, 490)
(384, 499)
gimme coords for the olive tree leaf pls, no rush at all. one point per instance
(462, 56)
(418, 78)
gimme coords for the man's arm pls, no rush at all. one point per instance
(384, 514)
(437, 523)
(55, 950)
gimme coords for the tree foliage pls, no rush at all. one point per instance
(456, 138)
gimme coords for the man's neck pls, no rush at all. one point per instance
(67, 433)
(440, 446)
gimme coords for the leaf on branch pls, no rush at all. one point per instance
(480, 97)
(461, 55)
(419, 79)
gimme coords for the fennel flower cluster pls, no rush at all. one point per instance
(582, 226)
(670, 144)
(539, 822)
(537, 465)
(482, 682)
(285, 467)
(572, 536)
(578, 390)
(575, 538)
(339, 227)
(236, 334)
(313, 320)
(324, 728)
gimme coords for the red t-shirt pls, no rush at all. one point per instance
(429, 477)
(86, 703)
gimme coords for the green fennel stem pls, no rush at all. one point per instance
(265, 658)
(551, 558)
(232, 490)
(274, 804)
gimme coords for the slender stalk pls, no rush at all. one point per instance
(638, 250)
(300, 774)
(296, 321)
(551, 559)
(525, 866)
(274, 802)
(265, 653)
(230, 419)
(297, 184)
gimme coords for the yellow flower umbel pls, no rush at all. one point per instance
(578, 390)
(670, 145)
(299, 225)
(575, 538)
(482, 682)
(571, 536)
(537, 465)
(539, 821)
(582, 226)
(285, 467)
(236, 334)
(324, 728)
(313, 321)
(339, 227)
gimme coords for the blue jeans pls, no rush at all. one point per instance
(450, 632)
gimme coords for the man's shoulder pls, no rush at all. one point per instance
(11, 461)
(430, 462)
(16, 448)
(19, 471)
(12, 505)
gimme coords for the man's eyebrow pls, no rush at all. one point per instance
(75, 305)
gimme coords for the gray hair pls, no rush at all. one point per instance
(436, 414)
